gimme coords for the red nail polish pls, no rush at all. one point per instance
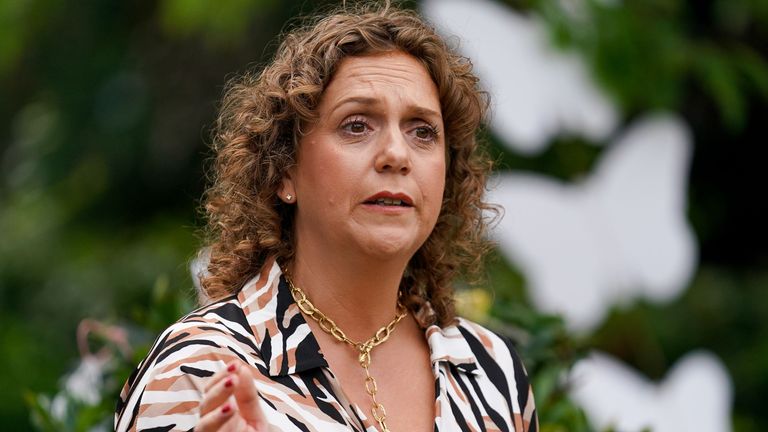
(232, 367)
(226, 409)
(228, 382)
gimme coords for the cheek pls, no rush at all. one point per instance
(332, 180)
(440, 173)
(339, 178)
(436, 187)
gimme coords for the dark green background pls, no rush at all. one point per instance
(106, 109)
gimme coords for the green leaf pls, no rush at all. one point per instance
(719, 77)
(754, 67)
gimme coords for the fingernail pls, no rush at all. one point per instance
(226, 409)
(232, 367)
(228, 382)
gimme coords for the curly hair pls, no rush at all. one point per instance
(260, 124)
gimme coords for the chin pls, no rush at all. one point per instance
(391, 248)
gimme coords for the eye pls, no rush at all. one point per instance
(426, 133)
(423, 133)
(355, 126)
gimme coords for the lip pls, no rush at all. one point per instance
(407, 200)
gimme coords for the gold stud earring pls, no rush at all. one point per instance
(289, 197)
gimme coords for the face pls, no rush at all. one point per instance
(370, 173)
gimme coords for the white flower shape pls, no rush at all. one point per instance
(695, 395)
(86, 382)
(619, 234)
(538, 91)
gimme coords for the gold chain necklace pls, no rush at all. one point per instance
(364, 348)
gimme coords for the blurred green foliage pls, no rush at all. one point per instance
(648, 54)
(218, 22)
(67, 409)
(105, 111)
(547, 348)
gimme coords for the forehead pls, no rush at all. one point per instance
(389, 77)
(395, 65)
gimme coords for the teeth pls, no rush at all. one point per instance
(388, 201)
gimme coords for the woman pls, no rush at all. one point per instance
(347, 196)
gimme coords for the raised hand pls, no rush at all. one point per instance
(231, 403)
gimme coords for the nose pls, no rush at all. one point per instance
(394, 153)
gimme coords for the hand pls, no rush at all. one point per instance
(231, 403)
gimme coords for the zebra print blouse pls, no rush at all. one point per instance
(480, 383)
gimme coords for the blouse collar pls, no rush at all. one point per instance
(286, 342)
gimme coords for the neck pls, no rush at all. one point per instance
(359, 294)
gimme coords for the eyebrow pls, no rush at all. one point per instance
(369, 101)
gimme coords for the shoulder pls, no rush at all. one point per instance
(484, 341)
(213, 331)
(500, 362)
(171, 378)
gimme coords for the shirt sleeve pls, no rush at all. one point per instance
(165, 390)
(517, 376)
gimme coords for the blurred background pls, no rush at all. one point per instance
(630, 138)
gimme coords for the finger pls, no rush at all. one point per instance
(216, 419)
(248, 400)
(236, 424)
(218, 394)
(220, 375)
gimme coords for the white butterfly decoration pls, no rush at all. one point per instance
(618, 234)
(538, 92)
(695, 395)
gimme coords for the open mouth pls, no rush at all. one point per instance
(388, 202)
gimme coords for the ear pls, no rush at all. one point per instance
(287, 190)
